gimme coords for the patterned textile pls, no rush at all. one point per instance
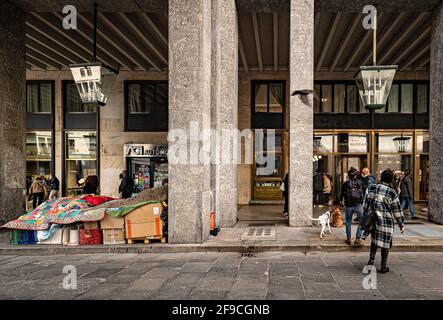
(45, 214)
(386, 205)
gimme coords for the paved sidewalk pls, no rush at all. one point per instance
(213, 276)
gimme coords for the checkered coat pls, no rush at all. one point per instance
(386, 204)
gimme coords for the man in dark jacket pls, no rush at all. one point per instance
(126, 187)
(54, 184)
(318, 188)
(352, 197)
(407, 195)
(368, 178)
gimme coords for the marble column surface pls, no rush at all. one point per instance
(301, 115)
(12, 115)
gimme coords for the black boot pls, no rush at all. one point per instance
(384, 260)
(372, 254)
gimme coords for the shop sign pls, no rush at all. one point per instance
(146, 150)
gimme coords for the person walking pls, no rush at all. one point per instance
(367, 178)
(352, 197)
(37, 191)
(318, 188)
(126, 187)
(383, 201)
(327, 188)
(54, 185)
(407, 195)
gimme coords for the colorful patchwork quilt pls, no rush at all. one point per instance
(67, 211)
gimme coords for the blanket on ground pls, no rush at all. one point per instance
(59, 211)
(67, 211)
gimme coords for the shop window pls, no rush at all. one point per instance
(352, 143)
(39, 97)
(268, 104)
(326, 98)
(323, 143)
(422, 98)
(146, 106)
(73, 102)
(393, 143)
(423, 142)
(339, 98)
(38, 154)
(407, 94)
(353, 99)
(393, 99)
(81, 153)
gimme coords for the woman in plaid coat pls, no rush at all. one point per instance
(385, 203)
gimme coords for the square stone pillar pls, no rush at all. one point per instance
(224, 113)
(12, 115)
(301, 117)
(436, 118)
(189, 101)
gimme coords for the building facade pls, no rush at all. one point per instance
(222, 65)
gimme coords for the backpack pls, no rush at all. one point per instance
(354, 192)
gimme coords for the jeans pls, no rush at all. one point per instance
(410, 204)
(37, 199)
(349, 213)
(318, 197)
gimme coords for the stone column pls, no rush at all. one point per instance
(301, 116)
(189, 101)
(436, 118)
(12, 115)
(224, 109)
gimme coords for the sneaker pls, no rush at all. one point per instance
(348, 242)
(320, 206)
(424, 209)
(415, 218)
(358, 243)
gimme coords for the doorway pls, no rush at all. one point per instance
(342, 165)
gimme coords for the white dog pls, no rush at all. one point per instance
(324, 221)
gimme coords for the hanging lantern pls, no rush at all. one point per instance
(88, 76)
(374, 84)
(400, 143)
(88, 79)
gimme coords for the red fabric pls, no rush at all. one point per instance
(96, 200)
(89, 237)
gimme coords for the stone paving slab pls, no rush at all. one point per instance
(270, 275)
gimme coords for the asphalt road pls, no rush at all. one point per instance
(219, 276)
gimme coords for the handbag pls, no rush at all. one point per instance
(368, 221)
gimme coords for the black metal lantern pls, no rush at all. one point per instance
(374, 82)
(400, 143)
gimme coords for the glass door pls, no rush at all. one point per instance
(422, 176)
(268, 168)
(140, 171)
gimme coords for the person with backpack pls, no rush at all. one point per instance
(318, 188)
(37, 192)
(407, 195)
(352, 197)
(383, 203)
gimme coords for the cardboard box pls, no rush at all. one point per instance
(144, 222)
(110, 222)
(92, 225)
(114, 236)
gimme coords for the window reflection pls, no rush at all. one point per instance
(393, 143)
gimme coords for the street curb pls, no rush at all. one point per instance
(177, 248)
